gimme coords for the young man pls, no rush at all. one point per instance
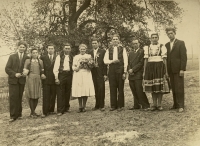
(63, 78)
(49, 86)
(176, 63)
(99, 74)
(16, 80)
(135, 70)
(116, 58)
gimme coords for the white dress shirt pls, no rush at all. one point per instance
(95, 52)
(66, 66)
(115, 57)
(20, 54)
(171, 44)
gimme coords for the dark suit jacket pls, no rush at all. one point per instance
(102, 69)
(177, 57)
(136, 62)
(13, 67)
(48, 69)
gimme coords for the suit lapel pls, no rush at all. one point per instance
(17, 58)
(173, 45)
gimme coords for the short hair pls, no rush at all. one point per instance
(170, 29)
(94, 39)
(115, 35)
(155, 33)
(66, 44)
(34, 49)
(22, 43)
(136, 40)
(82, 45)
(50, 44)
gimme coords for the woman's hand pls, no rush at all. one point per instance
(43, 77)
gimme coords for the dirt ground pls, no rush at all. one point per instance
(125, 128)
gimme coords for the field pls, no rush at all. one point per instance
(96, 128)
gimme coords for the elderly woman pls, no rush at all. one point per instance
(82, 84)
(155, 71)
(34, 70)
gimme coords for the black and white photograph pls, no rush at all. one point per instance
(99, 72)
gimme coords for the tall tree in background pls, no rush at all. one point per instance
(78, 20)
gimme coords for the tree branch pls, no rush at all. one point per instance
(85, 5)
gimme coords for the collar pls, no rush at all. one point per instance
(34, 60)
(173, 40)
(96, 49)
(137, 50)
(20, 53)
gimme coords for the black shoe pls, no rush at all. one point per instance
(120, 109)
(172, 108)
(12, 120)
(153, 108)
(83, 110)
(80, 110)
(59, 114)
(102, 109)
(112, 109)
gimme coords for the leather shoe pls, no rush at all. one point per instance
(153, 108)
(160, 108)
(59, 114)
(112, 109)
(120, 109)
(133, 108)
(102, 109)
(172, 108)
(180, 110)
(43, 116)
(12, 120)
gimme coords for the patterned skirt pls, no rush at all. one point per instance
(33, 86)
(154, 77)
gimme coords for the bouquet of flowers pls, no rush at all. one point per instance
(86, 63)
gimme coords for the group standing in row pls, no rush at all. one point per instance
(84, 75)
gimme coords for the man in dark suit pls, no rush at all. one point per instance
(16, 80)
(99, 74)
(49, 86)
(63, 78)
(116, 58)
(135, 70)
(176, 63)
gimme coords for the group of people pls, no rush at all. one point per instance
(84, 75)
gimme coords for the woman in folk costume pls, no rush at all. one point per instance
(82, 83)
(34, 70)
(155, 71)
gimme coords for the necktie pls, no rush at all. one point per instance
(20, 59)
(51, 58)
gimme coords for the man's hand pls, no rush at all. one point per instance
(57, 81)
(18, 75)
(130, 71)
(124, 76)
(115, 61)
(43, 77)
(105, 77)
(181, 74)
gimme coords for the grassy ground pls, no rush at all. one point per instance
(125, 128)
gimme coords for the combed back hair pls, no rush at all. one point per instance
(50, 44)
(170, 29)
(22, 43)
(66, 44)
(33, 50)
(94, 39)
